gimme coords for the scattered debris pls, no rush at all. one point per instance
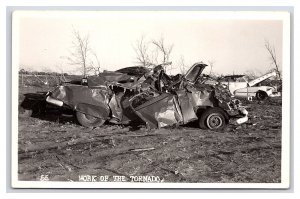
(144, 149)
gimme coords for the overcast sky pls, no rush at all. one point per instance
(234, 45)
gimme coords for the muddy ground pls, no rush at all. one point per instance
(58, 147)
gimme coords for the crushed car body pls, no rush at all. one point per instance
(139, 95)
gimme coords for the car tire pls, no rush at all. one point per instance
(261, 95)
(213, 118)
(88, 121)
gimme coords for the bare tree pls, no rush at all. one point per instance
(271, 50)
(142, 52)
(80, 52)
(95, 67)
(163, 49)
(151, 53)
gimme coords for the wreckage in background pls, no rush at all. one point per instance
(135, 95)
(240, 87)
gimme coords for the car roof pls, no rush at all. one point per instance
(134, 70)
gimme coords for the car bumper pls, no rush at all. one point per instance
(243, 119)
(275, 94)
(54, 101)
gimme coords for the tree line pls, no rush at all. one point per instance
(26, 72)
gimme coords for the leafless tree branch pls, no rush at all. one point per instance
(164, 49)
(148, 53)
(271, 50)
(142, 55)
(96, 67)
(81, 52)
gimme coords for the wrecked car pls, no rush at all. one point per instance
(138, 95)
(240, 87)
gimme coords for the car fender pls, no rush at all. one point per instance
(267, 89)
(100, 110)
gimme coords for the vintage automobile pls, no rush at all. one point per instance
(241, 88)
(138, 95)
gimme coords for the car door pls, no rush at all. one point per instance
(157, 110)
(246, 92)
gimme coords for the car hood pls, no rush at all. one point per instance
(126, 76)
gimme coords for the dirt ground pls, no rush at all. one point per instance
(60, 149)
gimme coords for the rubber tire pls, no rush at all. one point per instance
(208, 113)
(261, 95)
(85, 121)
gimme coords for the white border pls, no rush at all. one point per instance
(14, 102)
(243, 15)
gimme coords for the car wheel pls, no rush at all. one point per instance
(213, 118)
(261, 95)
(88, 120)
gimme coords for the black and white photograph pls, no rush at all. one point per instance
(150, 99)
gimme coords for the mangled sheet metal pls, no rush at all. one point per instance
(134, 93)
(200, 95)
(76, 94)
(110, 78)
(160, 111)
(82, 99)
(179, 104)
(115, 106)
(186, 103)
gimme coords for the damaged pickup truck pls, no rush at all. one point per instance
(138, 95)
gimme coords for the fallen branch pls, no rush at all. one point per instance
(140, 149)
